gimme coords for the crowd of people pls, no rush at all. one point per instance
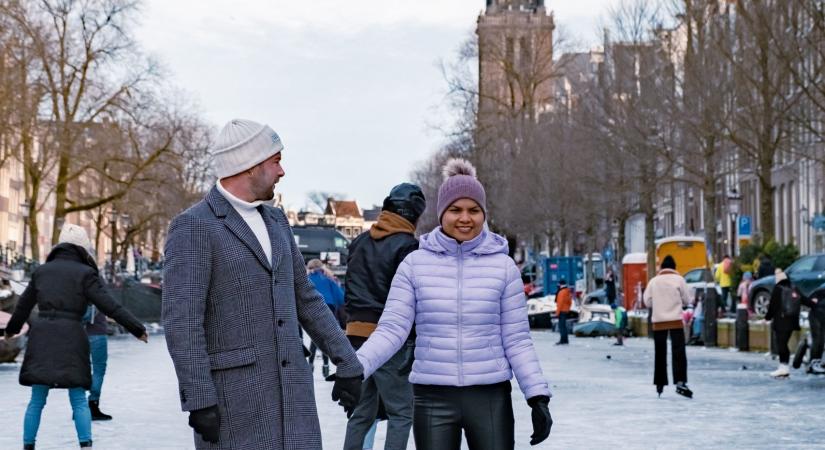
(426, 333)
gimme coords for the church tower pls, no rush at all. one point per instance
(515, 49)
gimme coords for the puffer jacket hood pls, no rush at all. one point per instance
(467, 303)
(486, 243)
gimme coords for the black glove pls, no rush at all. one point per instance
(542, 422)
(346, 391)
(206, 422)
(406, 366)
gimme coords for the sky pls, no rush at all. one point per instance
(354, 88)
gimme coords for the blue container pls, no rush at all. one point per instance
(570, 268)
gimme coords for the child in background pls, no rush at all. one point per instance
(744, 288)
(621, 322)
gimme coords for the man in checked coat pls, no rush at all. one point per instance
(235, 293)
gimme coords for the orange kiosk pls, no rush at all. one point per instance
(634, 279)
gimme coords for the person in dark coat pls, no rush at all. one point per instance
(373, 259)
(766, 268)
(235, 294)
(784, 319)
(816, 321)
(610, 286)
(57, 353)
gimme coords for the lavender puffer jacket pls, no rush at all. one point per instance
(467, 303)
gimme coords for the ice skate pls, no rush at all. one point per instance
(781, 372)
(683, 390)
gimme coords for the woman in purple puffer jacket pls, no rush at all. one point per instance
(466, 298)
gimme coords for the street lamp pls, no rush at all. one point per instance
(734, 202)
(25, 214)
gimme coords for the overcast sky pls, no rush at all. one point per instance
(352, 87)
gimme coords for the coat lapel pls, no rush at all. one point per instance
(237, 225)
(276, 237)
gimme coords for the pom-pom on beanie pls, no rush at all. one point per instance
(460, 182)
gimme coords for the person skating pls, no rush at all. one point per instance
(57, 353)
(666, 294)
(783, 312)
(816, 321)
(328, 287)
(466, 298)
(724, 277)
(235, 294)
(373, 259)
(97, 330)
(564, 302)
(620, 321)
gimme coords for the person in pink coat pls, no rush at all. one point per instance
(465, 296)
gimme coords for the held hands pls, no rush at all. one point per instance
(206, 422)
(542, 422)
(346, 391)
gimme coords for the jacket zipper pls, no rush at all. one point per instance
(460, 285)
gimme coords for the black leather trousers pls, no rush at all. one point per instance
(485, 413)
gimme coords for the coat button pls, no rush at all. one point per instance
(280, 323)
(284, 363)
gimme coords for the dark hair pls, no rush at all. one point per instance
(562, 281)
(669, 263)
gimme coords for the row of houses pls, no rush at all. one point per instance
(344, 215)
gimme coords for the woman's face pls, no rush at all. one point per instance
(463, 220)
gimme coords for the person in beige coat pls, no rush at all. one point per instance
(666, 294)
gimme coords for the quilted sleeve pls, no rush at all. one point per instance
(515, 334)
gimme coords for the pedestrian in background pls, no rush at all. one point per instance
(97, 331)
(373, 260)
(57, 352)
(326, 285)
(466, 298)
(816, 321)
(620, 321)
(610, 286)
(744, 288)
(783, 312)
(235, 294)
(724, 277)
(667, 294)
(564, 302)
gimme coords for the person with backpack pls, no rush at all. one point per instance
(620, 322)
(783, 312)
(564, 302)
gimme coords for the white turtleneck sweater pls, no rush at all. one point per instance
(249, 213)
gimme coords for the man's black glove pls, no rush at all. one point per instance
(346, 391)
(206, 422)
(542, 422)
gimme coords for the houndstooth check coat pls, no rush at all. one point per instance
(231, 320)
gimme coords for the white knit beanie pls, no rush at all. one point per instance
(75, 234)
(243, 144)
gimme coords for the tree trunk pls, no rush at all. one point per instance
(766, 203)
(709, 200)
(60, 191)
(650, 233)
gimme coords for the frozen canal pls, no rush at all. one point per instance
(603, 399)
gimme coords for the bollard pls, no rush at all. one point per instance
(742, 327)
(709, 330)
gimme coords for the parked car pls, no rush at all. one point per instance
(701, 279)
(806, 273)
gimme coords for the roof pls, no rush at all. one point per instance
(371, 215)
(343, 208)
(680, 239)
(635, 258)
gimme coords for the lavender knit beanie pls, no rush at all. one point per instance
(460, 182)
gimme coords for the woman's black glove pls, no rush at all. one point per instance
(206, 422)
(346, 391)
(542, 422)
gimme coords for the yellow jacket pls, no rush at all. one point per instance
(724, 279)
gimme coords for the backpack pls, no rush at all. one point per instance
(790, 303)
